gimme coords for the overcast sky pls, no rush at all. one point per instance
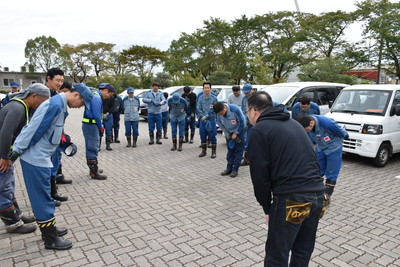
(153, 23)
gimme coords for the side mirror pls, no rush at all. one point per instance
(330, 103)
(395, 110)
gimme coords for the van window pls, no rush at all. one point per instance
(324, 95)
(362, 102)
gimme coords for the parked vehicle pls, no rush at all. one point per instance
(321, 93)
(214, 88)
(225, 92)
(371, 116)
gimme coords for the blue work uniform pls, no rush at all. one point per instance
(205, 109)
(177, 115)
(329, 138)
(36, 143)
(312, 109)
(91, 124)
(154, 102)
(233, 122)
(131, 109)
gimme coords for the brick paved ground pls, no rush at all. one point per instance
(164, 208)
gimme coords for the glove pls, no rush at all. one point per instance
(101, 131)
(105, 116)
(63, 139)
(14, 156)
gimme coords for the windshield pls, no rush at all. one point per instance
(362, 102)
(280, 93)
(223, 94)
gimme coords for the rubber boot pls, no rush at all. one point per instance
(13, 222)
(50, 237)
(213, 151)
(174, 140)
(158, 138)
(186, 137)
(134, 143)
(191, 137)
(209, 145)
(116, 140)
(24, 218)
(151, 138)
(61, 231)
(94, 170)
(165, 133)
(60, 178)
(329, 187)
(54, 194)
(203, 150)
(57, 203)
(128, 139)
(245, 161)
(108, 143)
(112, 139)
(180, 144)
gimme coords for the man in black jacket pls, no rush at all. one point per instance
(286, 180)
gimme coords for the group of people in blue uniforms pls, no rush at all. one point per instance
(44, 138)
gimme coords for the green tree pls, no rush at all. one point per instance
(278, 39)
(98, 55)
(326, 70)
(44, 53)
(221, 77)
(164, 79)
(76, 65)
(262, 73)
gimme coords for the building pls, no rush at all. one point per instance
(23, 78)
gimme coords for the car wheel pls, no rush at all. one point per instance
(382, 156)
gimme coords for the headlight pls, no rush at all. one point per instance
(372, 129)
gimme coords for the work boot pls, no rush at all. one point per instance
(108, 143)
(174, 140)
(209, 145)
(191, 137)
(213, 151)
(151, 138)
(186, 137)
(134, 142)
(226, 172)
(245, 161)
(60, 179)
(94, 170)
(129, 140)
(158, 138)
(165, 133)
(180, 144)
(111, 139)
(13, 222)
(203, 150)
(24, 218)
(50, 237)
(54, 194)
(61, 231)
(57, 203)
(233, 174)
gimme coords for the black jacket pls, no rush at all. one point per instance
(282, 159)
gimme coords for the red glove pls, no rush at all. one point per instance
(101, 131)
(63, 139)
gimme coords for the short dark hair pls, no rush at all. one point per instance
(260, 101)
(207, 83)
(304, 119)
(305, 100)
(165, 95)
(66, 85)
(155, 84)
(53, 72)
(235, 88)
(187, 89)
(218, 107)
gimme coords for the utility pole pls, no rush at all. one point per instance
(297, 6)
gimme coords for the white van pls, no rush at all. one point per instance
(371, 116)
(288, 94)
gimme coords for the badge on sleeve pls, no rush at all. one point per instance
(233, 121)
(326, 139)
